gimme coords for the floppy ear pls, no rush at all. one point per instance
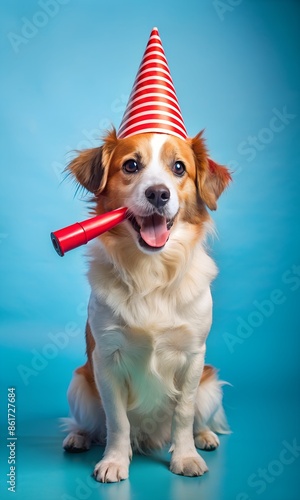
(212, 178)
(90, 167)
(213, 183)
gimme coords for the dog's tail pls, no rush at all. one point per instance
(209, 407)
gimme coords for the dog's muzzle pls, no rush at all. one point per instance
(153, 230)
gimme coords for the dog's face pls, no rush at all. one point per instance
(163, 180)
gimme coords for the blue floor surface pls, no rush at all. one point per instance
(260, 459)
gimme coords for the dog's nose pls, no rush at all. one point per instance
(158, 195)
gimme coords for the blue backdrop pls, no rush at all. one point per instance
(67, 70)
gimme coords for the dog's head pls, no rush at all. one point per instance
(165, 182)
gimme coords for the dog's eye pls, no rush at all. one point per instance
(178, 168)
(130, 167)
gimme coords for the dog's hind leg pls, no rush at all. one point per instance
(209, 413)
(87, 421)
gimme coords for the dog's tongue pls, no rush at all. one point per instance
(154, 230)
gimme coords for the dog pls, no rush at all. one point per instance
(144, 383)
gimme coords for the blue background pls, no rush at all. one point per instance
(66, 78)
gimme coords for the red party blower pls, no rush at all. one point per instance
(81, 232)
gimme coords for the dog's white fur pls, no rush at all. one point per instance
(149, 317)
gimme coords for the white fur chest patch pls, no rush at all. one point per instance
(151, 362)
(147, 331)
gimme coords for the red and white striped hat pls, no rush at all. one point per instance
(153, 104)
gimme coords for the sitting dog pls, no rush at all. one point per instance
(145, 383)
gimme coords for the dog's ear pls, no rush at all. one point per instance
(211, 178)
(89, 170)
(90, 167)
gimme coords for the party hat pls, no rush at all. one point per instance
(153, 104)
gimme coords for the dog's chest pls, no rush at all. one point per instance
(147, 326)
(149, 353)
(149, 364)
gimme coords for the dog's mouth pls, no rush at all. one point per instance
(153, 230)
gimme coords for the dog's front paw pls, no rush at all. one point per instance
(111, 470)
(193, 465)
